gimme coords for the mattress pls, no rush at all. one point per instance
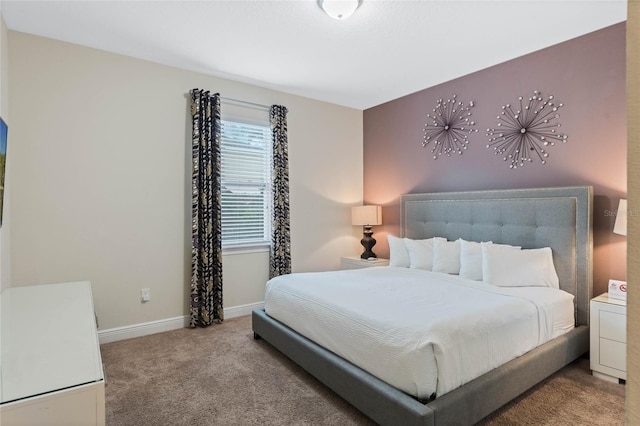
(422, 332)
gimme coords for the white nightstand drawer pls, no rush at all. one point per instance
(613, 354)
(613, 326)
(607, 347)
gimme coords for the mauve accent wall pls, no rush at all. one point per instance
(586, 74)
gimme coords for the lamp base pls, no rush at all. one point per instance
(367, 242)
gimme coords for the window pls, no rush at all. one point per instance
(246, 184)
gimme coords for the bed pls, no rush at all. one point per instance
(559, 218)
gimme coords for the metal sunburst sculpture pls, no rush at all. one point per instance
(449, 128)
(524, 134)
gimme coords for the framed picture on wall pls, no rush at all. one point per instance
(3, 162)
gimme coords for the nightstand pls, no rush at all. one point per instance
(355, 262)
(608, 335)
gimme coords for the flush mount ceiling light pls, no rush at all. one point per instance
(339, 9)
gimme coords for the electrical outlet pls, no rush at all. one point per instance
(145, 295)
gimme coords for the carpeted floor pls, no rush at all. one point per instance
(222, 376)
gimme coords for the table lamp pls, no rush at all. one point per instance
(618, 289)
(620, 226)
(367, 216)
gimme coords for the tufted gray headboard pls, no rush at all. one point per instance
(560, 218)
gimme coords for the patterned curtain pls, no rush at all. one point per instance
(280, 257)
(206, 241)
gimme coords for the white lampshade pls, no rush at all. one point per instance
(339, 9)
(620, 226)
(366, 215)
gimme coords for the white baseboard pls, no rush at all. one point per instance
(168, 324)
(238, 311)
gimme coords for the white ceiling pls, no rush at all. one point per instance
(387, 49)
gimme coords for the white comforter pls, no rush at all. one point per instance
(425, 333)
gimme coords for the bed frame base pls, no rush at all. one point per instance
(387, 405)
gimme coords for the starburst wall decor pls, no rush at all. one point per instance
(525, 134)
(448, 127)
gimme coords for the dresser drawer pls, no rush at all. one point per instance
(613, 326)
(613, 354)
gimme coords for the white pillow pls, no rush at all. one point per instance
(398, 254)
(518, 268)
(446, 256)
(421, 252)
(471, 258)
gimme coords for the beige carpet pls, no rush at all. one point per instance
(222, 376)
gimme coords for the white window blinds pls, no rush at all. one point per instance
(246, 184)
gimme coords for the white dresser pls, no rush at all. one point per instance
(50, 366)
(608, 338)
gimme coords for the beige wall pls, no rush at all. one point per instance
(633, 253)
(5, 234)
(101, 175)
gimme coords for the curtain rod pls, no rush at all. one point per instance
(245, 103)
